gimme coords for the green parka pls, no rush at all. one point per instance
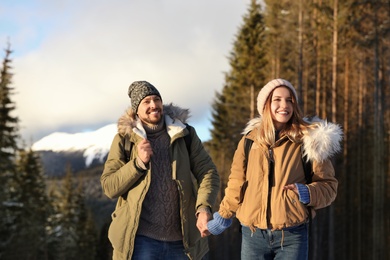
(128, 183)
(280, 208)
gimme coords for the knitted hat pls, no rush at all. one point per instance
(268, 88)
(138, 90)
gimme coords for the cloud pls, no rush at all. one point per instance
(74, 60)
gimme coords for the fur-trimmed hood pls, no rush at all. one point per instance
(319, 144)
(129, 122)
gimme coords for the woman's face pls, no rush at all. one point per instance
(281, 107)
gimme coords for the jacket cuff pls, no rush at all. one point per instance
(203, 209)
(140, 164)
(303, 192)
(218, 224)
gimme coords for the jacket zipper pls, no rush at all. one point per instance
(271, 166)
(271, 170)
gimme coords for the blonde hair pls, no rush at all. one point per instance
(295, 128)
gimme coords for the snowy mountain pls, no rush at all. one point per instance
(85, 154)
(93, 146)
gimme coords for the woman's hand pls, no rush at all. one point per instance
(292, 187)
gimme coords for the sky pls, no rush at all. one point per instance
(74, 60)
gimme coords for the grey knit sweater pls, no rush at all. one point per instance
(160, 216)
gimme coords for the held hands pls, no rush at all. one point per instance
(217, 225)
(144, 151)
(201, 223)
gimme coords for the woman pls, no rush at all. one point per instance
(274, 211)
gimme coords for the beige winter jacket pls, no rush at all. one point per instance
(130, 184)
(285, 209)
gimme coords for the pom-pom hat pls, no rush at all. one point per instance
(138, 90)
(268, 88)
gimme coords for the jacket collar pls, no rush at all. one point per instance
(323, 141)
(319, 143)
(175, 118)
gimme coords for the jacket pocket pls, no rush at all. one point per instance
(295, 211)
(118, 227)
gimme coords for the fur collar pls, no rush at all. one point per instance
(319, 144)
(129, 122)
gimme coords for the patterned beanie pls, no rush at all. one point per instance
(138, 90)
(268, 88)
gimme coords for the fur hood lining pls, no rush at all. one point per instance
(319, 144)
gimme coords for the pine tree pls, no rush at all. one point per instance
(33, 217)
(54, 221)
(281, 19)
(86, 230)
(71, 230)
(9, 197)
(8, 123)
(236, 104)
(65, 215)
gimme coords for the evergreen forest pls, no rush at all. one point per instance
(336, 54)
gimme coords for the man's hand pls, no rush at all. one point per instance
(144, 151)
(201, 223)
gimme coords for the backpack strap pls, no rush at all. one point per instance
(127, 146)
(188, 140)
(247, 147)
(307, 168)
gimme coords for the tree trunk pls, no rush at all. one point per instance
(334, 110)
(300, 43)
(378, 210)
(345, 221)
(252, 103)
(334, 60)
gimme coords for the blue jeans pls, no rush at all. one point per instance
(288, 244)
(146, 248)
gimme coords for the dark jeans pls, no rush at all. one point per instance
(146, 248)
(287, 244)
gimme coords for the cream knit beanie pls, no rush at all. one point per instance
(268, 88)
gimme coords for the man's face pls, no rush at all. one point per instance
(150, 110)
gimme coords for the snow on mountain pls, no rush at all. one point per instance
(95, 144)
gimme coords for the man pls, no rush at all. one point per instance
(165, 189)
